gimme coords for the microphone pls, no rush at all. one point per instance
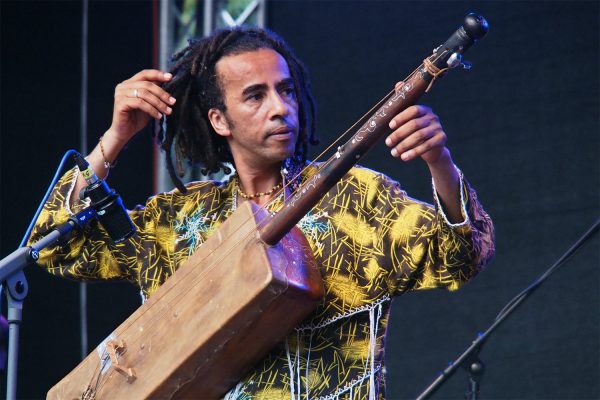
(107, 204)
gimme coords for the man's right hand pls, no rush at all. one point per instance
(137, 100)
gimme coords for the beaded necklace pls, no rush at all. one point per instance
(257, 194)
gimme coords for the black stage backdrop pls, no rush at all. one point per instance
(523, 125)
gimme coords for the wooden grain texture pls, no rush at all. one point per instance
(220, 313)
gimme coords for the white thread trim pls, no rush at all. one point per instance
(329, 321)
(298, 364)
(370, 368)
(373, 327)
(86, 202)
(234, 393)
(369, 365)
(291, 367)
(308, 363)
(349, 386)
(463, 203)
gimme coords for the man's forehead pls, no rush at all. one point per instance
(252, 67)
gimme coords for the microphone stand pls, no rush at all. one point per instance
(475, 367)
(13, 279)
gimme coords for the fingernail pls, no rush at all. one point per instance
(394, 152)
(168, 75)
(388, 141)
(404, 156)
(172, 100)
(169, 110)
(392, 124)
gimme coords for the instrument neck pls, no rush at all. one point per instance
(346, 156)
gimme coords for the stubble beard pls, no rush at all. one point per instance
(261, 156)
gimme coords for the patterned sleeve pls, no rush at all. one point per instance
(473, 238)
(426, 250)
(91, 255)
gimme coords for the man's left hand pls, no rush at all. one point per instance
(417, 133)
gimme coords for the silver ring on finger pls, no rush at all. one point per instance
(136, 94)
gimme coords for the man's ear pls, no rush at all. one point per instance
(219, 122)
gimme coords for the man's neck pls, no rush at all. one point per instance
(259, 180)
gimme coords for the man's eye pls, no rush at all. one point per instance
(255, 96)
(289, 91)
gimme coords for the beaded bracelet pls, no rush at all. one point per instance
(107, 164)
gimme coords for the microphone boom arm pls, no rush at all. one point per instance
(15, 283)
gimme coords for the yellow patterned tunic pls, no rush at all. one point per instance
(370, 240)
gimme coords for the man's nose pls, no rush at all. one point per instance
(279, 106)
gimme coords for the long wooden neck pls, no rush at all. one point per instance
(346, 156)
(308, 195)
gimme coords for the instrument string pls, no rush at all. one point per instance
(133, 342)
(340, 137)
(429, 66)
(277, 195)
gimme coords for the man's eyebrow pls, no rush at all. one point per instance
(255, 88)
(286, 81)
(260, 87)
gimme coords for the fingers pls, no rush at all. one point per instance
(128, 99)
(142, 92)
(411, 112)
(149, 93)
(152, 75)
(419, 131)
(416, 148)
(139, 104)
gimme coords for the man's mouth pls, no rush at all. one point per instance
(282, 133)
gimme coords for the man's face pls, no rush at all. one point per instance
(261, 121)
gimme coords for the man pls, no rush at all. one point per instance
(241, 96)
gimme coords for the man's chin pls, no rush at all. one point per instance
(284, 155)
(282, 150)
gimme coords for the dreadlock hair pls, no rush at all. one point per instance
(196, 87)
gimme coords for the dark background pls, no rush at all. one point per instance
(523, 125)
